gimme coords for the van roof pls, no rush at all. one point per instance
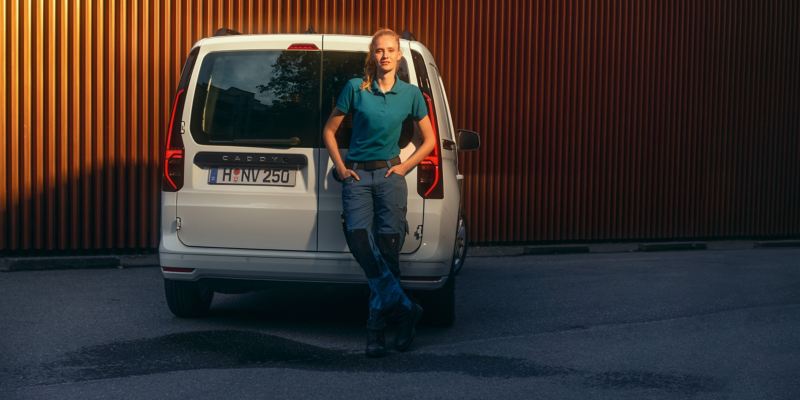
(256, 38)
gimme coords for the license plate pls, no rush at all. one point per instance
(252, 176)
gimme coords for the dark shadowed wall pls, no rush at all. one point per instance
(601, 120)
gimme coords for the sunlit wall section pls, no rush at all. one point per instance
(600, 120)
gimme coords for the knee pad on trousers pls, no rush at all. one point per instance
(389, 245)
(358, 241)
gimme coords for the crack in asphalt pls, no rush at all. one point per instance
(222, 349)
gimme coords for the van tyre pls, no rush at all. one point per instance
(187, 299)
(440, 304)
(461, 245)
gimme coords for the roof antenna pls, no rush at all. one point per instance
(407, 35)
(310, 29)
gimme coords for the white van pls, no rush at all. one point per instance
(248, 194)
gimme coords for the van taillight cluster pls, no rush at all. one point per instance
(429, 170)
(172, 181)
(173, 152)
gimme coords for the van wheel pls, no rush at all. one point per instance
(460, 247)
(440, 304)
(187, 299)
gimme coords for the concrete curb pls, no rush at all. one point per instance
(11, 264)
(670, 246)
(778, 243)
(510, 251)
(561, 249)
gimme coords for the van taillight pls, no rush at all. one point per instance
(173, 152)
(429, 171)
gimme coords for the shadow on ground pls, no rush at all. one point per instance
(236, 340)
(222, 349)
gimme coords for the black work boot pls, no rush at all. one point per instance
(376, 343)
(407, 328)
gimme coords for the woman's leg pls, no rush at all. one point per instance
(391, 227)
(361, 203)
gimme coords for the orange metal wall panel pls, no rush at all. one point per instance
(4, 125)
(600, 120)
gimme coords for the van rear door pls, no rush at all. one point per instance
(343, 59)
(252, 118)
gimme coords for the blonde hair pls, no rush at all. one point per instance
(370, 67)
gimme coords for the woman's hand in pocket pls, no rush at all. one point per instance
(398, 169)
(346, 173)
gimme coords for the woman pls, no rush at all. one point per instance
(374, 189)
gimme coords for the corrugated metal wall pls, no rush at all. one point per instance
(601, 120)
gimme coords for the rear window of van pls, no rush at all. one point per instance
(274, 98)
(258, 98)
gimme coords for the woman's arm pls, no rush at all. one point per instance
(329, 137)
(428, 142)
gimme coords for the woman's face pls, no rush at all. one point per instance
(386, 54)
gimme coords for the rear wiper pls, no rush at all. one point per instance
(292, 141)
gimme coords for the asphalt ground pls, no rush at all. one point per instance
(711, 324)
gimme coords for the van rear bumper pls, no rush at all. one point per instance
(294, 266)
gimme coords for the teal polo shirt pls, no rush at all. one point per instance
(378, 117)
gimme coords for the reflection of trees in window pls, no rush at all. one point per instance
(294, 89)
(295, 80)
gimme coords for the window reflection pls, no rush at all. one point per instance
(257, 95)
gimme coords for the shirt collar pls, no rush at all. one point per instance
(395, 88)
